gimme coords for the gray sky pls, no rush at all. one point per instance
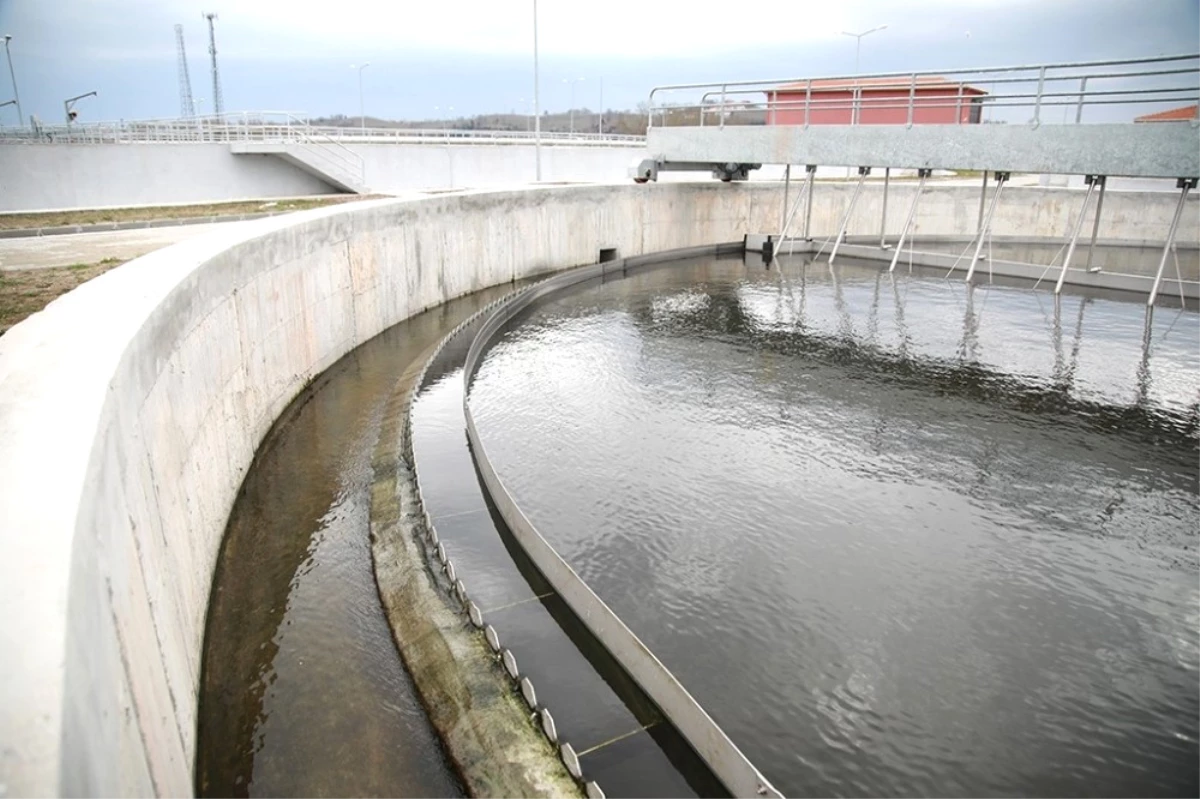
(476, 55)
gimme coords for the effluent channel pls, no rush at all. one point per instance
(897, 535)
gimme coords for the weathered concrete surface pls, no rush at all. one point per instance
(1024, 211)
(488, 731)
(43, 177)
(1166, 150)
(131, 408)
(40, 177)
(42, 252)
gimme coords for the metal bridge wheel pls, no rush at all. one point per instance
(641, 180)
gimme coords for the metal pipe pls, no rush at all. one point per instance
(887, 172)
(968, 71)
(808, 204)
(1062, 275)
(787, 184)
(982, 200)
(912, 214)
(1096, 224)
(912, 98)
(787, 224)
(1079, 108)
(863, 171)
(1001, 179)
(1187, 184)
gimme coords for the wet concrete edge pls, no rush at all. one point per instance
(488, 731)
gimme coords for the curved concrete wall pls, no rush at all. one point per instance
(130, 409)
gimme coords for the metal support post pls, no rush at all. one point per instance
(887, 173)
(982, 202)
(1001, 179)
(1087, 198)
(787, 183)
(1037, 103)
(812, 180)
(1096, 224)
(863, 171)
(1186, 184)
(789, 216)
(912, 214)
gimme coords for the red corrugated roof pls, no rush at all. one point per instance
(1173, 115)
(878, 84)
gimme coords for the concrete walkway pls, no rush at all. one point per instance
(43, 252)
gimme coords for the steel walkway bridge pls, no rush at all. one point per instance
(1079, 118)
(1068, 118)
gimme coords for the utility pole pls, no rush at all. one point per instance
(362, 112)
(856, 110)
(218, 102)
(572, 81)
(537, 108)
(187, 108)
(13, 75)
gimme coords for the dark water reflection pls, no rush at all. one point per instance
(897, 536)
(303, 691)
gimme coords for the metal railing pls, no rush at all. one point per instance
(335, 157)
(279, 126)
(1103, 91)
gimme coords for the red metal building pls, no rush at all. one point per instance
(875, 101)
(1187, 112)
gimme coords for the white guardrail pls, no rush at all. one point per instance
(1059, 93)
(280, 126)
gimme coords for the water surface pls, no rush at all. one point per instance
(897, 536)
(303, 691)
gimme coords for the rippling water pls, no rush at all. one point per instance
(898, 537)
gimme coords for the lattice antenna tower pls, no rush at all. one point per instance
(218, 103)
(187, 106)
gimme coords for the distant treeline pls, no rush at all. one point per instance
(585, 121)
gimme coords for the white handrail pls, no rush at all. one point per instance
(1137, 82)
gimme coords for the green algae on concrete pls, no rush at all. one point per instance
(488, 731)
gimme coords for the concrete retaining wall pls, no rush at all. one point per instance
(130, 410)
(1024, 211)
(42, 177)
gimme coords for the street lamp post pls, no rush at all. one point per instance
(69, 105)
(537, 107)
(362, 113)
(573, 81)
(13, 75)
(858, 37)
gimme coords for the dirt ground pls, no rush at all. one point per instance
(28, 291)
(91, 217)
